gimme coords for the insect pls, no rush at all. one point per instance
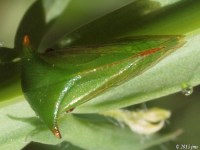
(56, 81)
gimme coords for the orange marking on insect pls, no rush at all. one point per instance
(26, 40)
(56, 132)
(151, 51)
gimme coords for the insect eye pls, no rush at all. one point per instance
(26, 40)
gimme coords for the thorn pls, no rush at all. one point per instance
(56, 132)
(26, 40)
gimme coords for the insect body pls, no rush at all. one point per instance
(59, 80)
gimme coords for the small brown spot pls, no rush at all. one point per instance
(70, 110)
(49, 50)
(26, 40)
(56, 132)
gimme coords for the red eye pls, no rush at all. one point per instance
(26, 40)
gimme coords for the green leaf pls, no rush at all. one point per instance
(77, 14)
(85, 131)
(54, 8)
(58, 81)
(13, 134)
(60, 146)
(184, 116)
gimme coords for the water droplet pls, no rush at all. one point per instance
(187, 89)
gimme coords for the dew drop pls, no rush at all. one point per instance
(186, 89)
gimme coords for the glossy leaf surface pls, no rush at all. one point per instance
(59, 80)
